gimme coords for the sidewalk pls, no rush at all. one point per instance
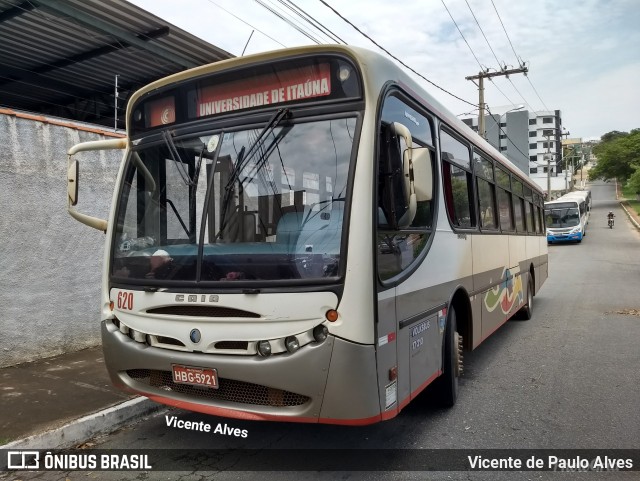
(44, 395)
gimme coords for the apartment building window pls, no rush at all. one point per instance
(503, 148)
(503, 136)
(547, 132)
(503, 124)
(533, 158)
(533, 134)
(547, 120)
(533, 170)
(532, 121)
(544, 169)
(547, 145)
(533, 146)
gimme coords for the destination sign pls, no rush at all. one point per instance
(270, 89)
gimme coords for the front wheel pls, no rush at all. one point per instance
(446, 386)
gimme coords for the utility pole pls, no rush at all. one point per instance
(548, 155)
(480, 77)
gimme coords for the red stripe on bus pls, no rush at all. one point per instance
(248, 416)
(496, 328)
(420, 389)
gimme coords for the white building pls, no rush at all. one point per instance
(531, 140)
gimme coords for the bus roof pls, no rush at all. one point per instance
(376, 70)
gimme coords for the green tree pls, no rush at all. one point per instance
(617, 154)
(634, 180)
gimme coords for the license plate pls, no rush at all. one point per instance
(195, 376)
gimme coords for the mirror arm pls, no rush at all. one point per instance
(72, 178)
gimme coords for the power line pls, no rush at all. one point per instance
(505, 31)
(247, 23)
(462, 35)
(507, 136)
(393, 56)
(500, 90)
(300, 12)
(520, 62)
(539, 98)
(521, 96)
(481, 31)
(288, 21)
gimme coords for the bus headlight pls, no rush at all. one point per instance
(320, 333)
(292, 344)
(264, 348)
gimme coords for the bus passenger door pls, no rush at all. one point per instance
(387, 355)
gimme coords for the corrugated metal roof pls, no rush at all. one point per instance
(60, 57)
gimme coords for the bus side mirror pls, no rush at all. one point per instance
(72, 178)
(407, 175)
(422, 174)
(72, 182)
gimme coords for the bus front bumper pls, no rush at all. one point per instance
(298, 387)
(564, 237)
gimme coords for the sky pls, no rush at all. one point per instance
(583, 56)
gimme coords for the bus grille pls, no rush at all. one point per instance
(229, 390)
(202, 311)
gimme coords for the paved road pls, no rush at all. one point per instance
(568, 378)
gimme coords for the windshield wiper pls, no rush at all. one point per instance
(177, 160)
(243, 160)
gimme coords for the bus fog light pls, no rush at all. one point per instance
(292, 343)
(320, 333)
(264, 348)
(137, 336)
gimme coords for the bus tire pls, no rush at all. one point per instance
(526, 312)
(446, 387)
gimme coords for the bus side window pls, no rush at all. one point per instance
(457, 181)
(391, 196)
(399, 246)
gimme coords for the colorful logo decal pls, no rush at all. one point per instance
(506, 294)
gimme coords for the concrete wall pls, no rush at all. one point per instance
(50, 265)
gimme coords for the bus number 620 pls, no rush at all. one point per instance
(125, 300)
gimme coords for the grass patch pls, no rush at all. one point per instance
(635, 205)
(631, 197)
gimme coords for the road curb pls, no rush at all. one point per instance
(633, 221)
(78, 431)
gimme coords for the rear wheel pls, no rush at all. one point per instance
(446, 386)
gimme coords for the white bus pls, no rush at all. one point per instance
(567, 217)
(584, 196)
(307, 235)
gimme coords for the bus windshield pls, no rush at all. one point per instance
(562, 216)
(249, 205)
